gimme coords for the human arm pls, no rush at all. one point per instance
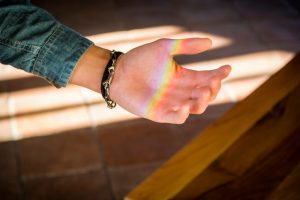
(32, 40)
(149, 83)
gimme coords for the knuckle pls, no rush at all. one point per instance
(202, 105)
(184, 114)
(163, 41)
(214, 82)
(162, 45)
(181, 120)
(202, 109)
(206, 92)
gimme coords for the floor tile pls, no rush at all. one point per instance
(8, 72)
(91, 97)
(255, 64)
(45, 99)
(4, 112)
(10, 188)
(53, 122)
(150, 34)
(125, 178)
(263, 9)
(286, 50)
(137, 141)
(58, 154)
(236, 33)
(99, 22)
(142, 5)
(223, 97)
(278, 31)
(228, 39)
(261, 63)
(102, 115)
(63, 134)
(197, 123)
(148, 17)
(88, 18)
(244, 87)
(89, 186)
(26, 82)
(203, 4)
(200, 14)
(6, 133)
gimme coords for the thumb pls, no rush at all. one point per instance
(222, 72)
(189, 45)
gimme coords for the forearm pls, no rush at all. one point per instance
(32, 40)
(90, 67)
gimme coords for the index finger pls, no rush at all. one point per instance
(189, 46)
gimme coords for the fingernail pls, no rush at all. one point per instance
(227, 68)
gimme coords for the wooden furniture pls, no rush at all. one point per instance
(251, 152)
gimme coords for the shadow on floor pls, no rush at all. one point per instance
(93, 163)
(107, 161)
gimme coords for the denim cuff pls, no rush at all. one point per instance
(59, 54)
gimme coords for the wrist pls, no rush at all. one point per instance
(89, 69)
(108, 77)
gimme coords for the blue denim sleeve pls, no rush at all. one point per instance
(32, 40)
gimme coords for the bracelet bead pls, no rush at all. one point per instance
(107, 78)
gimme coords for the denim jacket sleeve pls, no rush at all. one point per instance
(32, 40)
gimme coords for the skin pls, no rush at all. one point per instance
(149, 83)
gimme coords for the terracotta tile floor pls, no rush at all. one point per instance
(65, 144)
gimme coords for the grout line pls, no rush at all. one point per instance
(89, 110)
(94, 137)
(19, 170)
(104, 165)
(247, 22)
(16, 135)
(71, 172)
(140, 165)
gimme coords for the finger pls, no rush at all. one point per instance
(199, 105)
(188, 46)
(177, 115)
(222, 72)
(215, 85)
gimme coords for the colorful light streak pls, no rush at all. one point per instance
(166, 74)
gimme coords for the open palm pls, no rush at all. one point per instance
(149, 83)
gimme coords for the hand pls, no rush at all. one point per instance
(149, 83)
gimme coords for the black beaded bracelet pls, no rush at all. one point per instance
(107, 78)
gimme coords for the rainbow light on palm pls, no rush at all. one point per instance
(165, 74)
